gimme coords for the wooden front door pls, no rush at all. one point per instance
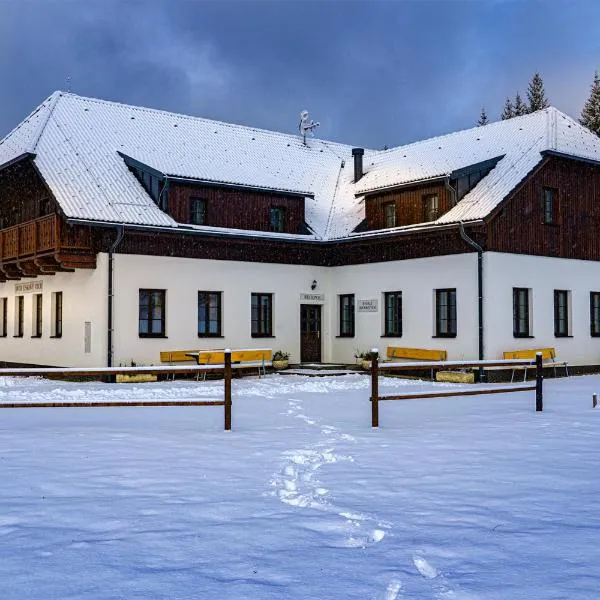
(310, 333)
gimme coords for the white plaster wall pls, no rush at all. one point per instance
(542, 275)
(84, 299)
(416, 279)
(184, 277)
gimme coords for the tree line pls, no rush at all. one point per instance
(537, 100)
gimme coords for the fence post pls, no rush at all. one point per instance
(374, 387)
(539, 398)
(227, 391)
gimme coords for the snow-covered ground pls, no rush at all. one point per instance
(459, 498)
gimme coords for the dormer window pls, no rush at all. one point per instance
(389, 214)
(464, 180)
(198, 211)
(431, 207)
(277, 219)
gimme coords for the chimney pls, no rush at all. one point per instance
(358, 163)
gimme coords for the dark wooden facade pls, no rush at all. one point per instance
(34, 238)
(409, 204)
(236, 208)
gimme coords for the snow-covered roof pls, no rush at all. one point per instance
(78, 145)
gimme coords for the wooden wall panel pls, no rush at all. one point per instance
(409, 205)
(235, 208)
(518, 225)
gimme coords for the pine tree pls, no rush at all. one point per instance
(483, 118)
(536, 94)
(520, 108)
(509, 111)
(590, 115)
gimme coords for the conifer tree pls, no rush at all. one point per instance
(536, 94)
(483, 118)
(509, 111)
(520, 108)
(590, 115)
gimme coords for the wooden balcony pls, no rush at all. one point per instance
(44, 246)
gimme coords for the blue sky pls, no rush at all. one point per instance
(373, 73)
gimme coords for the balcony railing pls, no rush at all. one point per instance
(45, 235)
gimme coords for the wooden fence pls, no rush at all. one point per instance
(225, 368)
(377, 368)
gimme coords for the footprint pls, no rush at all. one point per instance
(393, 589)
(428, 571)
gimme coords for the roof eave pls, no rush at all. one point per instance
(17, 159)
(558, 154)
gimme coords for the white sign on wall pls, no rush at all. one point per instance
(312, 297)
(368, 306)
(28, 287)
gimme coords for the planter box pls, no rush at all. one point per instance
(142, 378)
(455, 377)
(278, 365)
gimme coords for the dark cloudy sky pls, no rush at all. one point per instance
(373, 73)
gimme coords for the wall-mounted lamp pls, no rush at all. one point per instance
(313, 285)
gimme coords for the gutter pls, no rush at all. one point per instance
(109, 333)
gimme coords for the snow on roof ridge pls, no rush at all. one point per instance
(499, 123)
(195, 118)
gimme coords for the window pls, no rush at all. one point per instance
(19, 314)
(550, 206)
(595, 314)
(198, 211)
(57, 304)
(37, 316)
(445, 313)
(393, 314)
(464, 180)
(561, 313)
(346, 315)
(152, 313)
(277, 218)
(262, 315)
(209, 314)
(521, 312)
(389, 214)
(431, 207)
(3, 316)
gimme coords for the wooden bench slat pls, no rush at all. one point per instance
(177, 356)
(416, 353)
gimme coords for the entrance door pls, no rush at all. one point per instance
(310, 333)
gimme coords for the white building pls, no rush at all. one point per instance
(128, 231)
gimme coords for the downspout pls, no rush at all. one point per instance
(120, 235)
(479, 250)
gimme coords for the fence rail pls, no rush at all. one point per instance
(377, 368)
(225, 368)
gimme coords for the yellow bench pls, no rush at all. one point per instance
(419, 354)
(240, 359)
(549, 359)
(173, 356)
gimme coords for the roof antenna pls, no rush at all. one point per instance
(306, 126)
(69, 84)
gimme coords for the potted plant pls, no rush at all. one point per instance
(364, 359)
(281, 360)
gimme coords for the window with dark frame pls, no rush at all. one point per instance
(20, 313)
(198, 211)
(521, 312)
(595, 314)
(393, 314)
(261, 315)
(431, 207)
(561, 313)
(152, 313)
(389, 214)
(445, 313)
(346, 315)
(550, 206)
(209, 314)
(4, 318)
(58, 318)
(277, 219)
(37, 323)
